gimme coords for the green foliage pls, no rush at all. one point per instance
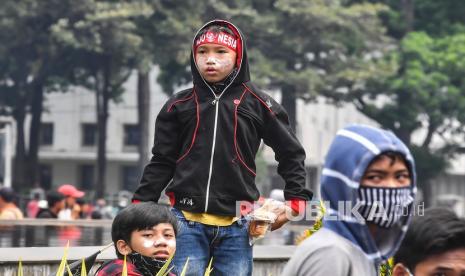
(302, 42)
(31, 64)
(416, 88)
(386, 268)
(20, 268)
(184, 269)
(440, 18)
(169, 32)
(165, 269)
(316, 225)
(104, 41)
(27, 54)
(209, 268)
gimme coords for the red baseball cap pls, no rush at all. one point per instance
(70, 190)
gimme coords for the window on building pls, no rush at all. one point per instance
(46, 134)
(45, 175)
(86, 177)
(131, 135)
(89, 134)
(130, 177)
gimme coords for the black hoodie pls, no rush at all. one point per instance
(206, 144)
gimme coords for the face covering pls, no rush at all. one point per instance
(146, 265)
(383, 206)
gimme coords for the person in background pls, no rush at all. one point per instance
(37, 189)
(8, 208)
(85, 209)
(102, 210)
(56, 203)
(434, 245)
(33, 206)
(72, 209)
(369, 181)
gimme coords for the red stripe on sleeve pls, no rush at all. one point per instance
(298, 205)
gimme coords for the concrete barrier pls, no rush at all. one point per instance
(41, 261)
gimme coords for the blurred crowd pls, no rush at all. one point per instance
(64, 203)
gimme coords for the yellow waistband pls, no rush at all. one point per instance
(210, 219)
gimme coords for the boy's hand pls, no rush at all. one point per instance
(258, 229)
(283, 218)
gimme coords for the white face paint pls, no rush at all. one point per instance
(147, 243)
(226, 63)
(215, 62)
(212, 60)
(160, 238)
(171, 243)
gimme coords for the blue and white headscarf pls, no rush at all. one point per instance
(350, 154)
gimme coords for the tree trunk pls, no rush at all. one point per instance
(34, 135)
(102, 94)
(20, 165)
(427, 193)
(404, 135)
(405, 129)
(289, 103)
(408, 13)
(143, 112)
(432, 126)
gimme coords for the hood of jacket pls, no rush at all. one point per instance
(242, 75)
(350, 154)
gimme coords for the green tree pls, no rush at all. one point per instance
(31, 64)
(106, 50)
(291, 43)
(421, 92)
(301, 43)
(420, 89)
(166, 41)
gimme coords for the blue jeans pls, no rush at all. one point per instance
(227, 245)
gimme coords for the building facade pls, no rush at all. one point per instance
(68, 151)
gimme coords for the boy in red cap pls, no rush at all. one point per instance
(206, 139)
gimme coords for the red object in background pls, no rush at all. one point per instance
(70, 190)
(32, 208)
(69, 233)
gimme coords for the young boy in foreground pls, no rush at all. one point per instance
(206, 141)
(146, 234)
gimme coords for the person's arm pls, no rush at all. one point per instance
(7, 214)
(159, 171)
(291, 157)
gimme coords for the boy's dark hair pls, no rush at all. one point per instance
(140, 216)
(393, 155)
(36, 196)
(438, 231)
(53, 197)
(80, 201)
(8, 194)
